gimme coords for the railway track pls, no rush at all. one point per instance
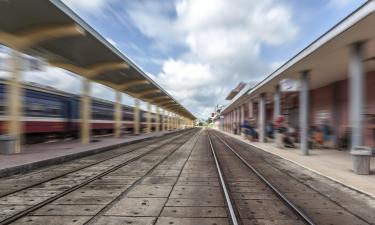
(45, 193)
(262, 180)
(18, 183)
(308, 205)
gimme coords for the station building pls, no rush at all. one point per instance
(331, 81)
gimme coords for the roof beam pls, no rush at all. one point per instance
(160, 99)
(171, 106)
(169, 103)
(132, 83)
(92, 71)
(25, 39)
(161, 103)
(147, 92)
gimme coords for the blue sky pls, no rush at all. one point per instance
(198, 50)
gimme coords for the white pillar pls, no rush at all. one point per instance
(262, 118)
(276, 102)
(304, 112)
(357, 90)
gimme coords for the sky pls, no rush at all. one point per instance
(198, 50)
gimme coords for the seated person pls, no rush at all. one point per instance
(319, 137)
(288, 137)
(252, 134)
(269, 130)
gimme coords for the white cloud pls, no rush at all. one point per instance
(224, 41)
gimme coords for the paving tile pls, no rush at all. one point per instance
(198, 183)
(150, 191)
(271, 222)
(70, 199)
(172, 173)
(196, 192)
(185, 212)
(198, 179)
(8, 210)
(137, 207)
(191, 221)
(159, 180)
(55, 220)
(194, 202)
(68, 210)
(21, 200)
(260, 209)
(112, 220)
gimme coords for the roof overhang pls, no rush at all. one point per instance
(327, 58)
(50, 30)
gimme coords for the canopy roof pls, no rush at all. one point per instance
(327, 58)
(235, 91)
(49, 29)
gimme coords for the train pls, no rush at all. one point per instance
(49, 113)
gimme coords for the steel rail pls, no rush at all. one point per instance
(92, 220)
(23, 213)
(137, 147)
(223, 185)
(289, 203)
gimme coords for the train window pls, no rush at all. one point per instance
(35, 109)
(54, 111)
(2, 107)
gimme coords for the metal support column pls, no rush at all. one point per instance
(14, 98)
(168, 121)
(118, 114)
(276, 102)
(357, 98)
(238, 122)
(304, 112)
(251, 109)
(157, 119)
(86, 111)
(262, 117)
(172, 121)
(148, 118)
(242, 114)
(164, 122)
(136, 124)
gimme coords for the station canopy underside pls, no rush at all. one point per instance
(50, 30)
(327, 59)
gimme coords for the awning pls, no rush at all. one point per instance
(327, 58)
(50, 30)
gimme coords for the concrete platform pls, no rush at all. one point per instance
(45, 154)
(333, 164)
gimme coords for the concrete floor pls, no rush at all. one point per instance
(331, 163)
